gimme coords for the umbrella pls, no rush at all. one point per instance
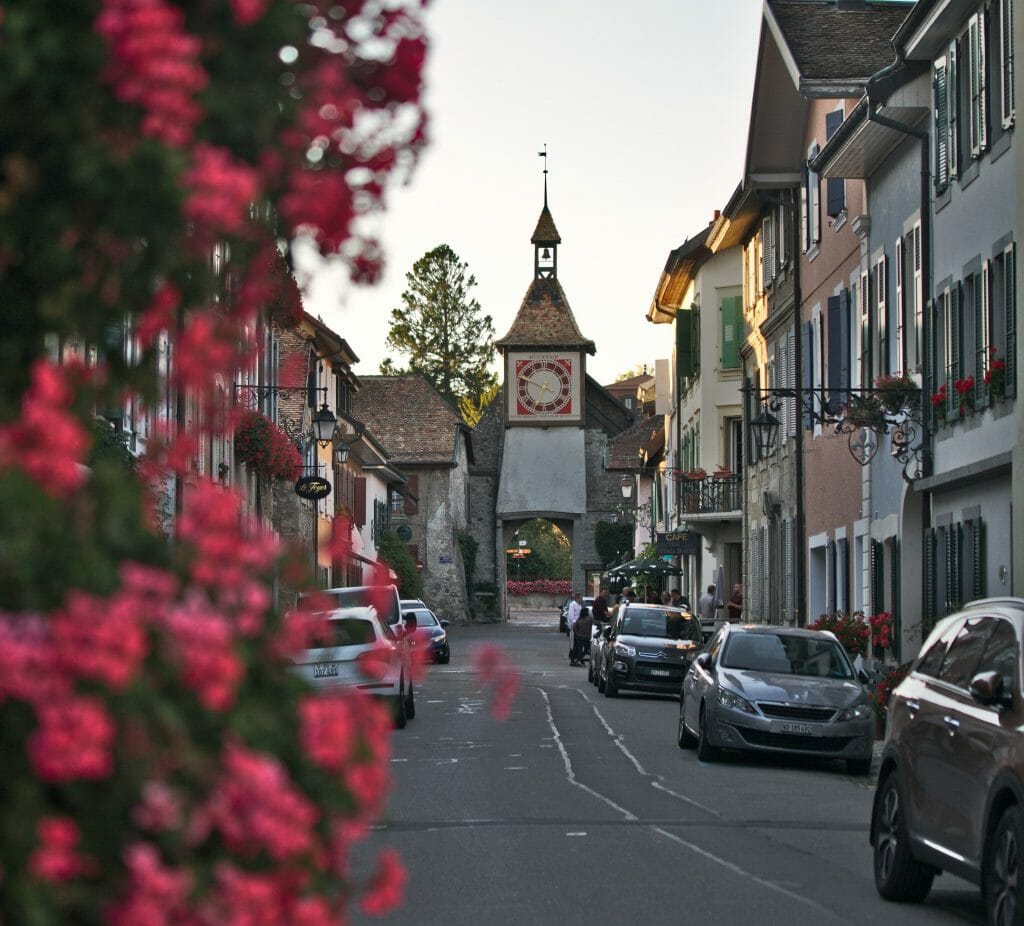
(646, 567)
(720, 587)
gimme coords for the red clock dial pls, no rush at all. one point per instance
(544, 387)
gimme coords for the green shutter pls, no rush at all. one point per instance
(931, 378)
(732, 331)
(954, 586)
(977, 532)
(1010, 314)
(940, 87)
(955, 334)
(695, 340)
(930, 592)
(684, 355)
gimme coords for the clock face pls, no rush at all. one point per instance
(544, 386)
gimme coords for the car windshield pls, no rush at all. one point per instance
(783, 654)
(423, 618)
(345, 631)
(656, 622)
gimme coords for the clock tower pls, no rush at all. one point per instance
(544, 353)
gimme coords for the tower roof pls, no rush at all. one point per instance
(545, 320)
(545, 232)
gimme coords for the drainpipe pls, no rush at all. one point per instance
(800, 579)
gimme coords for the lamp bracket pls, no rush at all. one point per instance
(253, 395)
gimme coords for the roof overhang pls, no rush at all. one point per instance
(931, 25)
(680, 269)
(866, 143)
(738, 219)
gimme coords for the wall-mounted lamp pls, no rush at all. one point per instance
(324, 424)
(766, 430)
(627, 486)
(341, 455)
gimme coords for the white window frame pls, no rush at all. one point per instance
(901, 306)
(1007, 94)
(977, 127)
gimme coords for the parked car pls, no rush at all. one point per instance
(777, 689)
(563, 612)
(648, 647)
(347, 636)
(430, 632)
(950, 793)
(384, 598)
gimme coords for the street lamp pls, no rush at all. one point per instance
(324, 423)
(627, 486)
(766, 429)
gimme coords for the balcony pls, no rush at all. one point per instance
(711, 495)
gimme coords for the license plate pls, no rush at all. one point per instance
(800, 729)
(664, 672)
(325, 670)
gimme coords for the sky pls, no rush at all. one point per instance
(644, 109)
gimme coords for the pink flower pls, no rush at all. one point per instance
(387, 886)
(156, 895)
(204, 642)
(73, 740)
(492, 668)
(56, 858)
(246, 12)
(327, 730)
(221, 190)
(160, 808)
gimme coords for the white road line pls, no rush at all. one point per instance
(567, 762)
(743, 873)
(682, 797)
(616, 737)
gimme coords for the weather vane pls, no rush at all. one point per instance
(544, 154)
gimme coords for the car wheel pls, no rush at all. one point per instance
(444, 660)
(1003, 871)
(410, 703)
(858, 766)
(898, 875)
(611, 690)
(600, 682)
(705, 751)
(398, 711)
(684, 738)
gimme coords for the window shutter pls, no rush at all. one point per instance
(787, 568)
(412, 505)
(781, 237)
(766, 600)
(931, 370)
(755, 567)
(805, 215)
(976, 532)
(815, 188)
(684, 356)
(940, 92)
(882, 306)
(835, 189)
(976, 83)
(954, 342)
(789, 382)
(954, 587)
(930, 592)
(900, 320)
(865, 331)
(1010, 314)
(732, 322)
(767, 252)
(953, 111)
(877, 568)
(359, 501)
(834, 377)
(918, 299)
(982, 333)
(845, 358)
(807, 334)
(1006, 65)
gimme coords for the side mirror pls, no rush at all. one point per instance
(445, 623)
(987, 688)
(704, 661)
(863, 677)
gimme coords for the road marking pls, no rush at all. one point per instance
(743, 873)
(682, 797)
(575, 834)
(567, 762)
(616, 737)
(515, 768)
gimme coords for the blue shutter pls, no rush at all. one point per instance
(807, 334)
(845, 347)
(835, 196)
(835, 346)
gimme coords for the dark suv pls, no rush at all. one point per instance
(648, 647)
(950, 791)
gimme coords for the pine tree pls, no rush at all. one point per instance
(440, 328)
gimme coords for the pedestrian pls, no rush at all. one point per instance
(581, 631)
(679, 600)
(572, 615)
(734, 606)
(625, 594)
(599, 609)
(666, 597)
(706, 606)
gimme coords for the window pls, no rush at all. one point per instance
(976, 85)
(952, 345)
(931, 662)
(915, 301)
(881, 324)
(964, 653)
(946, 110)
(1002, 316)
(835, 189)
(1008, 104)
(811, 201)
(864, 336)
(732, 331)
(1001, 655)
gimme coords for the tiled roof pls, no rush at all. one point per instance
(839, 40)
(624, 449)
(631, 384)
(409, 418)
(545, 232)
(545, 320)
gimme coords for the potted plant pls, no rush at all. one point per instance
(265, 448)
(850, 630)
(964, 389)
(897, 393)
(940, 404)
(881, 630)
(995, 376)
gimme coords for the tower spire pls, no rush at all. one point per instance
(544, 154)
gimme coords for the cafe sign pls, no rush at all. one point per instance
(678, 543)
(313, 488)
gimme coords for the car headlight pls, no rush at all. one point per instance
(857, 712)
(730, 699)
(621, 649)
(441, 637)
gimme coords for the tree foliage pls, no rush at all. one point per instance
(472, 408)
(396, 554)
(441, 330)
(612, 539)
(550, 554)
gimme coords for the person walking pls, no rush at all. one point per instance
(599, 609)
(572, 615)
(581, 632)
(706, 606)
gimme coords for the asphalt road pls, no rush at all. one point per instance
(582, 809)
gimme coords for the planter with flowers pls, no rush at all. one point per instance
(850, 630)
(865, 411)
(940, 405)
(265, 448)
(995, 376)
(897, 393)
(964, 389)
(881, 631)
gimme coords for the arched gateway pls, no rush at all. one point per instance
(541, 446)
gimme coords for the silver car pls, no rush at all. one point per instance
(776, 689)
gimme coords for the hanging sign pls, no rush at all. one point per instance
(313, 488)
(678, 543)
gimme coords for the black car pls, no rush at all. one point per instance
(563, 613)
(431, 631)
(649, 647)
